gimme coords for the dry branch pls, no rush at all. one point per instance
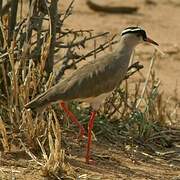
(53, 25)
(12, 20)
(110, 9)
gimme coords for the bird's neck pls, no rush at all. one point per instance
(125, 48)
(124, 51)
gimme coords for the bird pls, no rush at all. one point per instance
(95, 81)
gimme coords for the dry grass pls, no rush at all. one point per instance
(23, 77)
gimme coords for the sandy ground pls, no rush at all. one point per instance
(112, 163)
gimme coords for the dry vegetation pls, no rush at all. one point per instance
(29, 44)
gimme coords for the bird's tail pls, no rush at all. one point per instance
(53, 94)
(38, 103)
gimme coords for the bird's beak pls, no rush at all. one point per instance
(151, 41)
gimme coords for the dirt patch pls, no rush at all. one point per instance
(110, 162)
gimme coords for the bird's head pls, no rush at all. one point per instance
(133, 36)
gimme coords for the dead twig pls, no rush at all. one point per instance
(52, 32)
(80, 43)
(147, 78)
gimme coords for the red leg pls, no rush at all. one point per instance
(73, 118)
(90, 127)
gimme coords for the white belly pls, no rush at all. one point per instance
(96, 102)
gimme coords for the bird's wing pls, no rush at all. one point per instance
(91, 80)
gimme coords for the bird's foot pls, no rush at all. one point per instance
(90, 161)
(81, 133)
